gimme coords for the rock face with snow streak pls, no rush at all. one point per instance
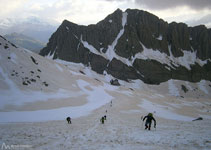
(136, 45)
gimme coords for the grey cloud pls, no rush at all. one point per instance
(204, 20)
(164, 4)
(167, 4)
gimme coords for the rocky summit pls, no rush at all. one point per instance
(135, 45)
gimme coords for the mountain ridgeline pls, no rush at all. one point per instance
(25, 42)
(135, 45)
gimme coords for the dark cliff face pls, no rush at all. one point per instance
(122, 36)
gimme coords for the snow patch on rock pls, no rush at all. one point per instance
(89, 46)
(50, 56)
(189, 58)
(110, 53)
(160, 38)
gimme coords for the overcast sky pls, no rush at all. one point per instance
(86, 12)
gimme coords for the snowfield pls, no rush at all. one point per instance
(120, 131)
(37, 94)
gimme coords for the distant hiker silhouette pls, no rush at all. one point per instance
(68, 120)
(148, 123)
(102, 120)
(105, 117)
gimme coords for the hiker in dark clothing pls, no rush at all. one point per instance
(68, 120)
(105, 117)
(102, 120)
(148, 123)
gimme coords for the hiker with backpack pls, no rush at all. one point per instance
(68, 120)
(148, 122)
(102, 120)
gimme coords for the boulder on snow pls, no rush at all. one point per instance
(6, 47)
(114, 82)
(184, 88)
(199, 118)
(24, 83)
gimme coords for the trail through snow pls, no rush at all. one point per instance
(119, 132)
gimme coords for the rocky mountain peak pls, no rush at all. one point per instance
(135, 44)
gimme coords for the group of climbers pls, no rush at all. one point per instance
(148, 118)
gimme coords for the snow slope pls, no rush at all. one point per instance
(37, 94)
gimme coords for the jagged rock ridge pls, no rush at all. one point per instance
(136, 45)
